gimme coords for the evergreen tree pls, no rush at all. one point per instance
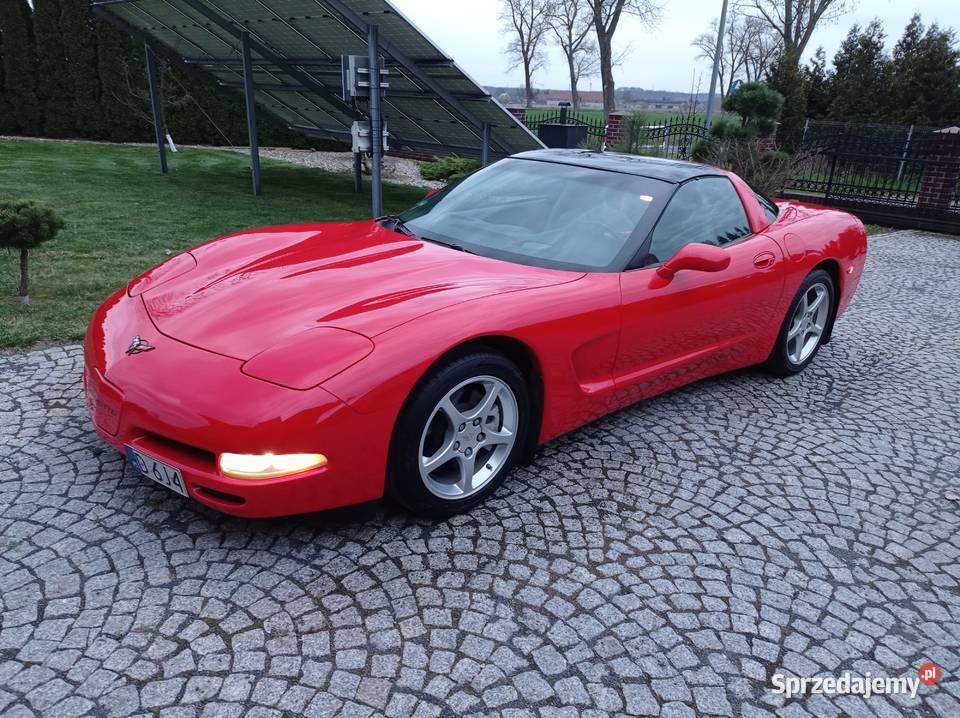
(817, 82)
(7, 125)
(20, 66)
(124, 98)
(785, 77)
(53, 73)
(861, 76)
(925, 76)
(80, 47)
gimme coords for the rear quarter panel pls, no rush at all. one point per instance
(811, 236)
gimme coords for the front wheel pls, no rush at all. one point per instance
(459, 435)
(805, 326)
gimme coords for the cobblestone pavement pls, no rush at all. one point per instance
(668, 559)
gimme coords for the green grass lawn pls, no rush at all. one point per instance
(123, 217)
(592, 114)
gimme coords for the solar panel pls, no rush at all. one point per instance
(296, 47)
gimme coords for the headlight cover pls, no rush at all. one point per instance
(309, 358)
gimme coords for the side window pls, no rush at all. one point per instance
(769, 208)
(707, 210)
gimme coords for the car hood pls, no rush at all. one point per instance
(252, 290)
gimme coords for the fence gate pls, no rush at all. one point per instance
(564, 115)
(673, 138)
(888, 175)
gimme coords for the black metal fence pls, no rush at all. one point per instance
(593, 121)
(673, 137)
(887, 174)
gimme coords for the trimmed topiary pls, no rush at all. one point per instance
(24, 225)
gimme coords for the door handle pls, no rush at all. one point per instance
(764, 260)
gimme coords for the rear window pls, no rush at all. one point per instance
(769, 208)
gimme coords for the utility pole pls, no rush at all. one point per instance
(716, 65)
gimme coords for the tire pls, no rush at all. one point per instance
(445, 427)
(799, 342)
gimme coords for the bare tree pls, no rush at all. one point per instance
(572, 25)
(528, 21)
(749, 46)
(606, 18)
(794, 20)
(765, 46)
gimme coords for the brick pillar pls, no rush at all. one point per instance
(941, 170)
(615, 128)
(767, 144)
(519, 112)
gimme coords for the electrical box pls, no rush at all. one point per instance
(356, 77)
(361, 137)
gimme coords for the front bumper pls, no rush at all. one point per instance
(185, 405)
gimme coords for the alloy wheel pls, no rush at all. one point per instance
(808, 323)
(468, 437)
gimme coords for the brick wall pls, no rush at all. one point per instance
(616, 128)
(941, 172)
(519, 112)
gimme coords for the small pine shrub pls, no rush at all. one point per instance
(448, 168)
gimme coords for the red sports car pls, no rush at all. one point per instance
(299, 368)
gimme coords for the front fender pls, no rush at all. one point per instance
(571, 329)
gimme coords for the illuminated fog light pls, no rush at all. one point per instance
(268, 466)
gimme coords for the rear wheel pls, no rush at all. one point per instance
(459, 435)
(805, 326)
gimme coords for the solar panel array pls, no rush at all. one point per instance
(296, 47)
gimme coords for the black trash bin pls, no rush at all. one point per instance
(566, 135)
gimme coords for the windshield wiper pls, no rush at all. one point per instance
(451, 245)
(397, 224)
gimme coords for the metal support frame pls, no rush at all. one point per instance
(376, 121)
(358, 22)
(327, 133)
(303, 78)
(153, 80)
(358, 172)
(485, 145)
(248, 95)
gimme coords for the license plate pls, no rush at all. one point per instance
(157, 470)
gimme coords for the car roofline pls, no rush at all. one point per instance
(669, 171)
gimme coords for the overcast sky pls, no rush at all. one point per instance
(661, 59)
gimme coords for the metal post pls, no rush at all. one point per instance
(153, 80)
(376, 128)
(485, 146)
(358, 173)
(248, 94)
(903, 157)
(716, 65)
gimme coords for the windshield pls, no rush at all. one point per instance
(544, 214)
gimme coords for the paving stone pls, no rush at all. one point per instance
(666, 560)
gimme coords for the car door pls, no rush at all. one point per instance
(698, 323)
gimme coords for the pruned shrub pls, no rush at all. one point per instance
(25, 225)
(767, 172)
(449, 169)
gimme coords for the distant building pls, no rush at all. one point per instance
(670, 105)
(553, 98)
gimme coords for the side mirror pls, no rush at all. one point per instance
(695, 256)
